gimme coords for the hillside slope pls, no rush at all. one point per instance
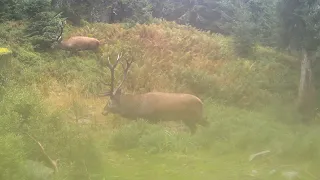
(168, 57)
(52, 96)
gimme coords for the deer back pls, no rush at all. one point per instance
(160, 104)
(80, 43)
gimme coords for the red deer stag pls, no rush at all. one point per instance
(153, 106)
(77, 43)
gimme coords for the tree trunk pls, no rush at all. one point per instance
(306, 98)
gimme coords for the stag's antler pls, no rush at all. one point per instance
(61, 31)
(125, 68)
(112, 67)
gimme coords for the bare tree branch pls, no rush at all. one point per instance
(54, 163)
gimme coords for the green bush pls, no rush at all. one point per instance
(43, 29)
(11, 33)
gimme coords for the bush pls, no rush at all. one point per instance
(43, 30)
(11, 33)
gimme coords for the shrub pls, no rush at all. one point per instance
(43, 29)
(243, 37)
(11, 33)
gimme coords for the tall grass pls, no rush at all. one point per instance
(168, 57)
(52, 96)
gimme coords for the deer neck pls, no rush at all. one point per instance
(130, 103)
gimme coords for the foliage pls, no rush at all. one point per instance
(45, 90)
(10, 10)
(12, 156)
(243, 31)
(139, 11)
(61, 140)
(5, 55)
(300, 23)
(212, 65)
(17, 10)
(105, 10)
(4, 51)
(44, 30)
(32, 7)
(219, 16)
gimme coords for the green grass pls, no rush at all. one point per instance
(221, 151)
(248, 102)
(138, 150)
(134, 165)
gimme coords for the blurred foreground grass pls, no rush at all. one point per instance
(228, 149)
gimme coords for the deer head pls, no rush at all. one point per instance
(115, 93)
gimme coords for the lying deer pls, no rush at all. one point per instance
(77, 43)
(153, 106)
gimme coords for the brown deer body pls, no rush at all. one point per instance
(80, 43)
(77, 43)
(154, 106)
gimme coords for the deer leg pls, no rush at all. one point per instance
(191, 125)
(204, 122)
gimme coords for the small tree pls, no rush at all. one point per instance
(300, 21)
(243, 29)
(43, 30)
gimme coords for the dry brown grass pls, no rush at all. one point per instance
(76, 106)
(164, 50)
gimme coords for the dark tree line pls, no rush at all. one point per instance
(249, 21)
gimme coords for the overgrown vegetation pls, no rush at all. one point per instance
(50, 112)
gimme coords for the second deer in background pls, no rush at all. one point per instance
(77, 43)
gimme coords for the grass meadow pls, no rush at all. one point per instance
(255, 131)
